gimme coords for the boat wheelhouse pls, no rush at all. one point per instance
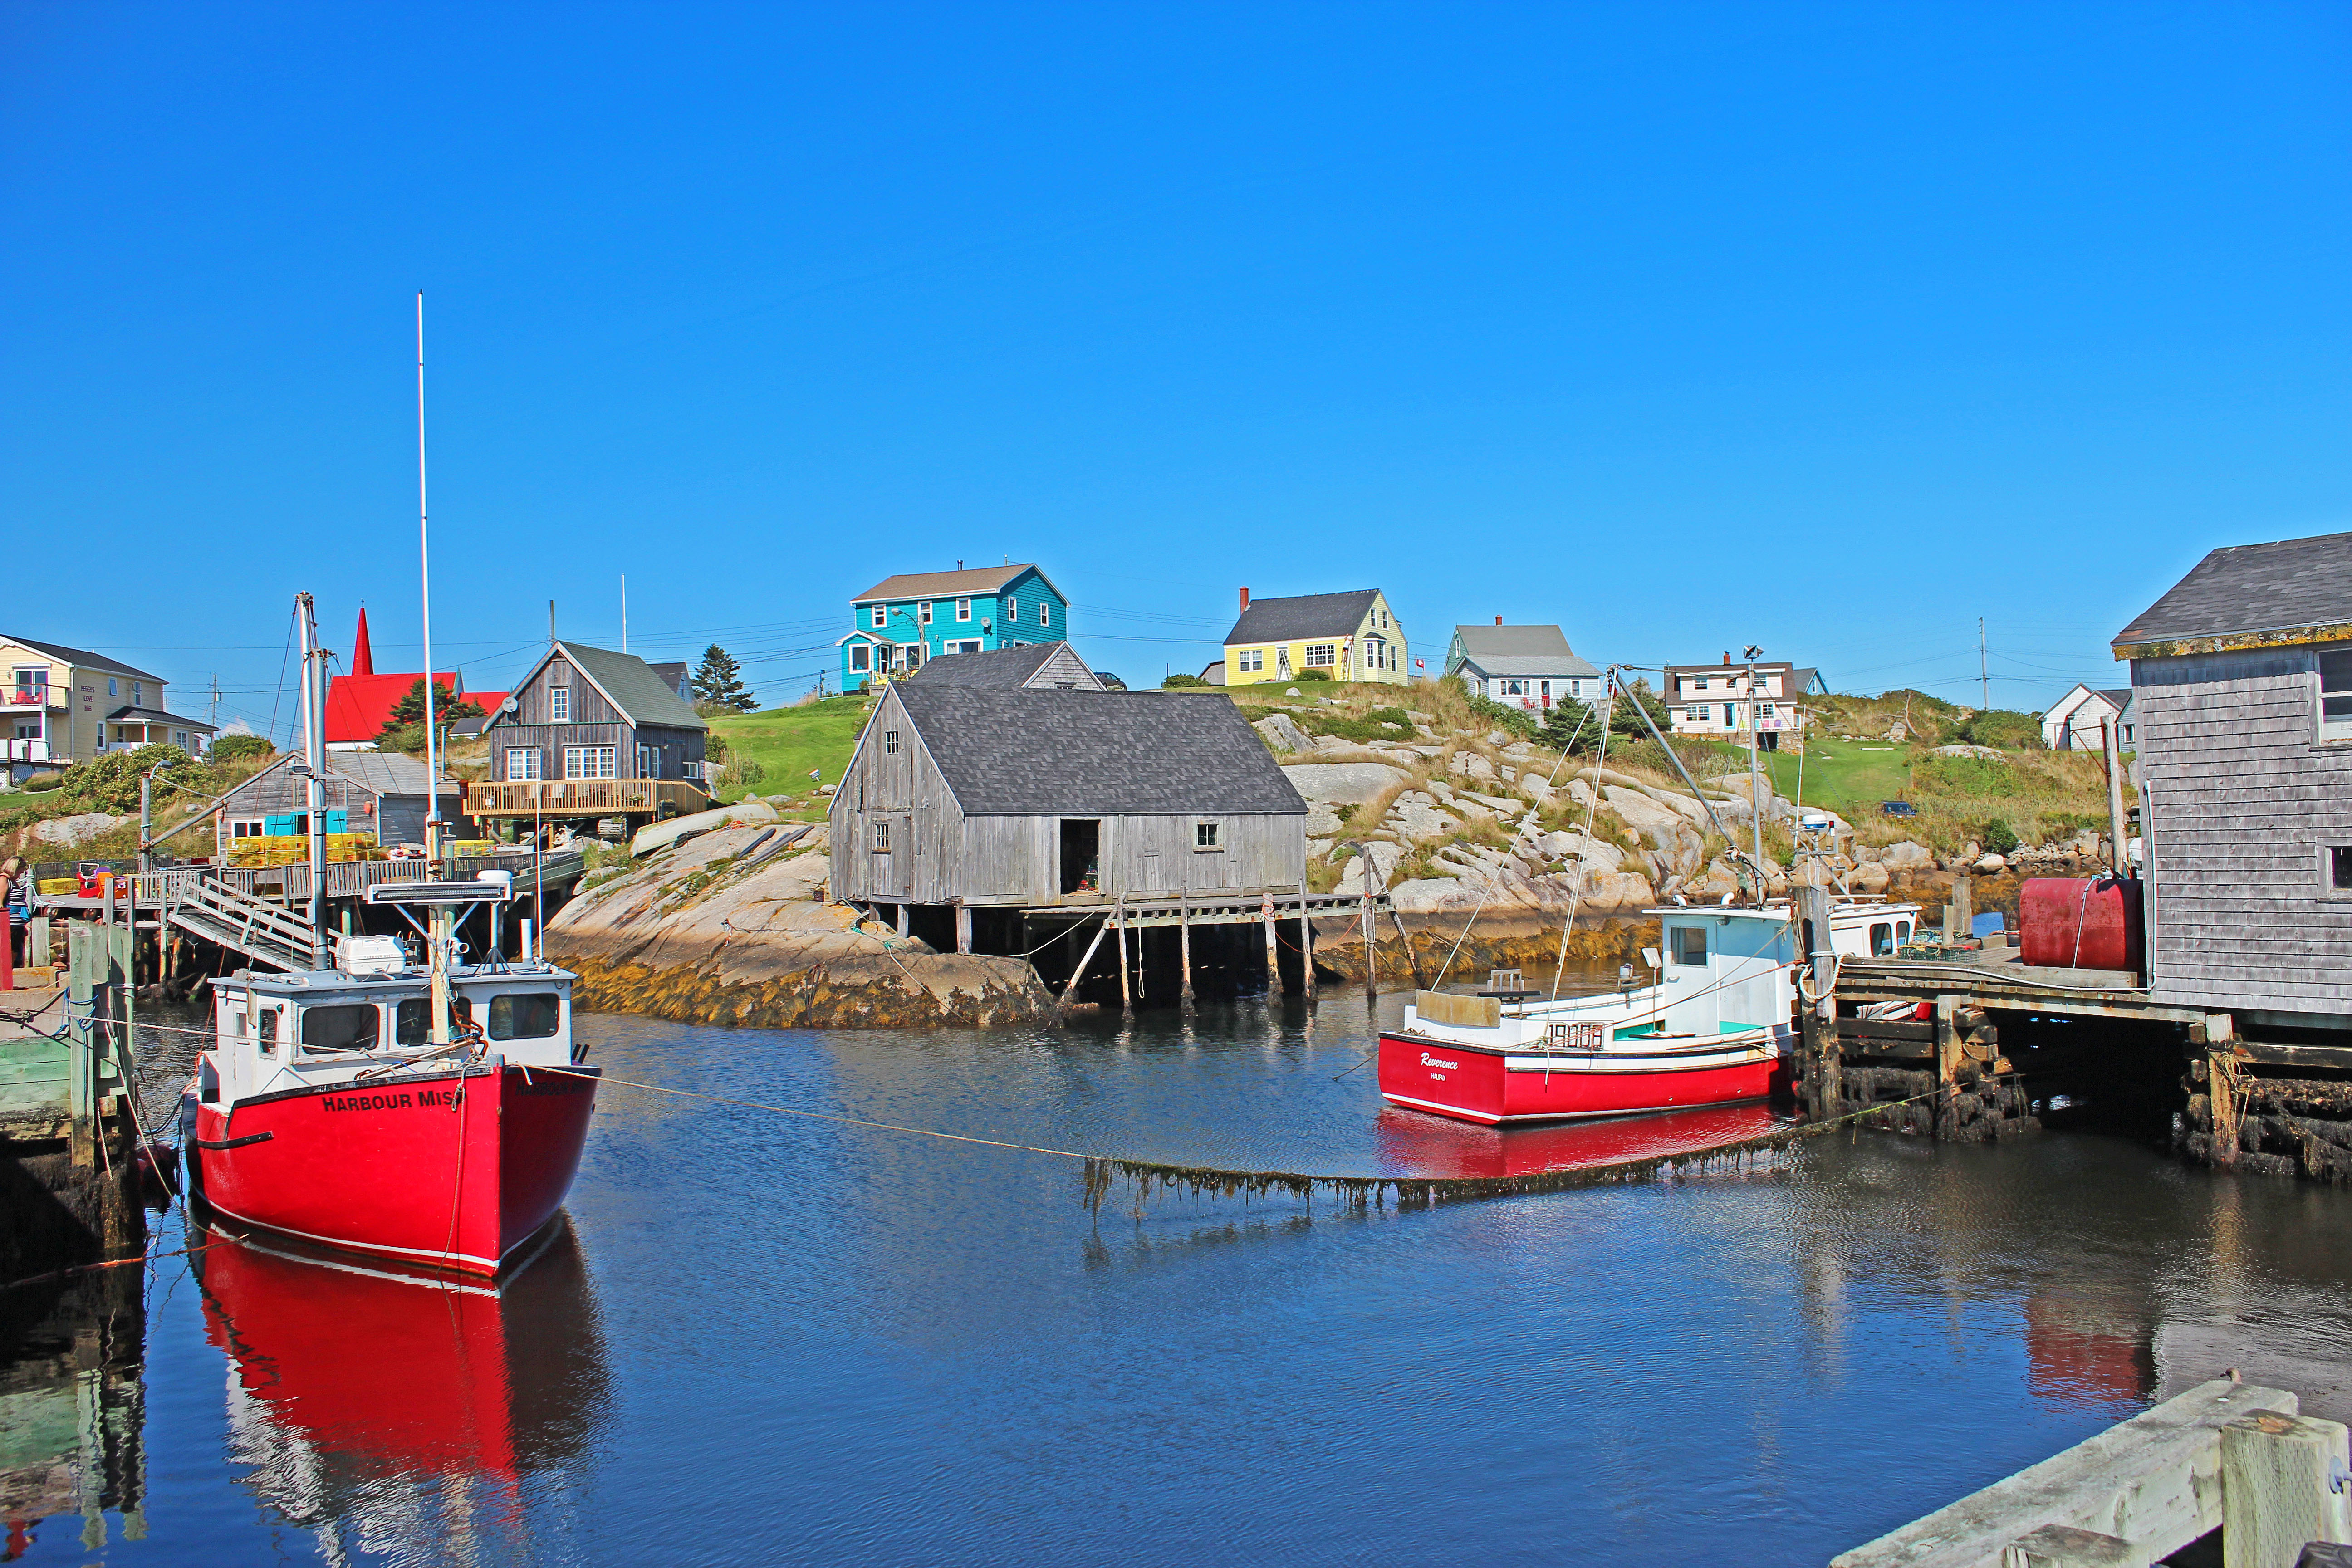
(1712, 1026)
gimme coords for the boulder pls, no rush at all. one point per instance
(1991, 865)
(1868, 878)
(1281, 734)
(1470, 764)
(1572, 846)
(80, 828)
(1427, 895)
(1417, 816)
(1906, 856)
(1618, 891)
(1638, 811)
(1346, 783)
(1322, 820)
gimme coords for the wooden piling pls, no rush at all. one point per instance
(2278, 1488)
(1372, 965)
(1126, 996)
(963, 927)
(1184, 944)
(1819, 1045)
(1305, 946)
(1070, 990)
(1947, 1064)
(84, 959)
(1406, 937)
(1273, 951)
(902, 921)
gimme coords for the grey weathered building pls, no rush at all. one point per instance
(978, 796)
(2242, 698)
(591, 714)
(382, 793)
(1038, 667)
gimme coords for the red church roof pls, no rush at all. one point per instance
(358, 706)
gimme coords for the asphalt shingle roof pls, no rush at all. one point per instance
(1522, 650)
(1003, 666)
(83, 657)
(633, 686)
(1303, 615)
(2245, 588)
(1096, 754)
(945, 584)
(128, 715)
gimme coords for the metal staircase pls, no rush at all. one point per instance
(260, 930)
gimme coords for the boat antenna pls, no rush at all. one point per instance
(314, 770)
(1755, 774)
(425, 583)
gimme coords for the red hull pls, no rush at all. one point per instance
(1475, 1085)
(449, 1170)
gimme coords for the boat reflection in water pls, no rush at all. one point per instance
(1414, 1144)
(373, 1403)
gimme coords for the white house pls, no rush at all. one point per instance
(2073, 723)
(1527, 666)
(1717, 699)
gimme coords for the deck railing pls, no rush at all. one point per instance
(585, 797)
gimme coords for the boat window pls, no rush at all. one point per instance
(1902, 932)
(1881, 940)
(1690, 945)
(345, 1028)
(412, 1025)
(525, 1015)
(265, 1030)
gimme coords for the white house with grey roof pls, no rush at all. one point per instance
(67, 705)
(1013, 798)
(1351, 636)
(2241, 704)
(1526, 667)
(2077, 721)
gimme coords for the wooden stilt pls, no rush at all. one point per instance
(902, 919)
(1126, 996)
(1273, 951)
(1948, 1062)
(1070, 991)
(1371, 956)
(1184, 943)
(1306, 947)
(963, 927)
(1406, 937)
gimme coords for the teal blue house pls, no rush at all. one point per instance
(901, 621)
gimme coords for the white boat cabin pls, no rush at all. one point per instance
(277, 1032)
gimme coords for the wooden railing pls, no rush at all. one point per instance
(585, 797)
(345, 880)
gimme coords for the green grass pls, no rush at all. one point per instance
(1849, 777)
(788, 742)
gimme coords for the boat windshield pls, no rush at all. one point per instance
(341, 1028)
(526, 1015)
(413, 1026)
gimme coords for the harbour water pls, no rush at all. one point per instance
(768, 1339)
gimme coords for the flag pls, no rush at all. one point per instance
(1421, 664)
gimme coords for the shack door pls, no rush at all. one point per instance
(1081, 868)
(892, 856)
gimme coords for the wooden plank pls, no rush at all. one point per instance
(2154, 1480)
(1458, 1011)
(2269, 1055)
(2278, 1488)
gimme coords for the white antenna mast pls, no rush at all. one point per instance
(424, 581)
(624, 612)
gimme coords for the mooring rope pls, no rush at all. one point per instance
(1101, 1170)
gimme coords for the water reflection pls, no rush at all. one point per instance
(1413, 1143)
(72, 1408)
(376, 1405)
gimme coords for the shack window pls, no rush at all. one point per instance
(1322, 655)
(2339, 861)
(882, 839)
(2335, 696)
(523, 762)
(251, 828)
(412, 1025)
(1881, 940)
(1204, 836)
(858, 654)
(890, 740)
(351, 1027)
(265, 1029)
(558, 704)
(525, 1015)
(1690, 945)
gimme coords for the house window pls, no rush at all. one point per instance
(1697, 685)
(890, 740)
(1766, 710)
(1693, 715)
(1204, 836)
(923, 612)
(860, 655)
(1576, 689)
(1690, 946)
(1044, 613)
(1250, 658)
(559, 705)
(591, 762)
(964, 609)
(32, 687)
(649, 762)
(29, 729)
(1511, 687)
(2335, 696)
(138, 694)
(111, 690)
(1322, 655)
(522, 763)
(881, 616)
(2127, 730)
(881, 838)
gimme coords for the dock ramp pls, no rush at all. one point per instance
(263, 932)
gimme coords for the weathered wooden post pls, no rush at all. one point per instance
(1948, 1063)
(902, 921)
(1184, 946)
(1273, 951)
(1306, 945)
(40, 942)
(1070, 989)
(2279, 1474)
(83, 959)
(1371, 955)
(963, 927)
(2223, 1086)
(1817, 1020)
(1964, 906)
(1125, 997)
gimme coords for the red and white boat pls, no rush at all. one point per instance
(1713, 1028)
(325, 1110)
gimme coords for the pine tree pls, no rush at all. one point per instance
(718, 681)
(448, 707)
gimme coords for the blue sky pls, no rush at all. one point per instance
(1829, 330)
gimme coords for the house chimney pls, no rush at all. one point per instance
(1726, 658)
(1498, 620)
(1245, 598)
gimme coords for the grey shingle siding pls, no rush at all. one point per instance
(1038, 665)
(2250, 588)
(2241, 796)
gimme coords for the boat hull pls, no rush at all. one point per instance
(1495, 1087)
(450, 1170)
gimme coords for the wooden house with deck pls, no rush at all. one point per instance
(592, 733)
(961, 797)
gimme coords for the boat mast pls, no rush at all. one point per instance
(314, 768)
(437, 919)
(1754, 798)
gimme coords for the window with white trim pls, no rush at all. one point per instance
(1514, 687)
(592, 762)
(924, 612)
(1322, 655)
(1204, 836)
(1249, 659)
(559, 705)
(964, 609)
(251, 828)
(1044, 613)
(861, 656)
(881, 616)
(2335, 696)
(2339, 868)
(1767, 709)
(1693, 715)
(523, 762)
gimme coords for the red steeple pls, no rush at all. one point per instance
(363, 660)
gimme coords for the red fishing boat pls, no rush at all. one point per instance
(1713, 1028)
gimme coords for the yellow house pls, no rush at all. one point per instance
(1348, 636)
(66, 705)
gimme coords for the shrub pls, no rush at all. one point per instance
(110, 783)
(1999, 837)
(1173, 682)
(740, 773)
(714, 747)
(241, 749)
(39, 783)
(1312, 674)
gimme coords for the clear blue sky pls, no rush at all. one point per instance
(1830, 330)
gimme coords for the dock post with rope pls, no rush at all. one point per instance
(1306, 948)
(1184, 946)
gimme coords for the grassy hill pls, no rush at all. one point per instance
(788, 741)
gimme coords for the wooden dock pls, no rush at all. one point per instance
(572, 800)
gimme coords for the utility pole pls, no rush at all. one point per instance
(624, 612)
(1755, 771)
(212, 715)
(551, 623)
(1984, 672)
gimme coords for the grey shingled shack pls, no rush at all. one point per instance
(2241, 688)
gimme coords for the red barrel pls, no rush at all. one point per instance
(2093, 922)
